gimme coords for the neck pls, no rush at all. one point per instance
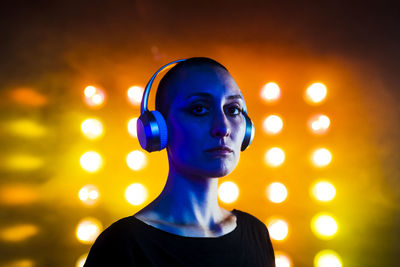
(189, 200)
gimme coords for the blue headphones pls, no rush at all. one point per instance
(152, 130)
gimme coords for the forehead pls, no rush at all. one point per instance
(205, 81)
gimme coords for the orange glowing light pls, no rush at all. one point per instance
(28, 97)
(17, 195)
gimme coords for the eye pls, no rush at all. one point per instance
(234, 110)
(199, 110)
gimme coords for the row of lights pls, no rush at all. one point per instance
(92, 161)
(323, 225)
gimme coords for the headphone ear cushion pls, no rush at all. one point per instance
(249, 132)
(152, 131)
(162, 126)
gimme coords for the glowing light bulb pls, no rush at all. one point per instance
(136, 194)
(270, 92)
(277, 192)
(278, 229)
(321, 157)
(316, 93)
(228, 192)
(273, 124)
(274, 157)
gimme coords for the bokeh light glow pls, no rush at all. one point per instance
(321, 157)
(23, 162)
(270, 92)
(88, 229)
(89, 194)
(278, 229)
(277, 192)
(132, 127)
(81, 260)
(18, 233)
(91, 161)
(135, 94)
(228, 192)
(327, 258)
(92, 128)
(94, 96)
(324, 226)
(274, 157)
(272, 124)
(26, 128)
(319, 124)
(136, 160)
(136, 194)
(18, 194)
(323, 191)
(316, 93)
(282, 259)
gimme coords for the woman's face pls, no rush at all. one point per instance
(205, 114)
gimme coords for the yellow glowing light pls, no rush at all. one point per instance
(278, 229)
(319, 124)
(94, 97)
(136, 160)
(324, 226)
(327, 258)
(316, 93)
(92, 128)
(88, 230)
(274, 157)
(323, 191)
(273, 124)
(321, 157)
(23, 162)
(89, 194)
(81, 260)
(270, 92)
(26, 128)
(228, 192)
(18, 232)
(136, 194)
(135, 94)
(282, 259)
(277, 192)
(132, 127)
(91, 161)
(20, 263)
(17, 195)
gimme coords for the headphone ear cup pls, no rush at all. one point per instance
(249, 132)
(152, 131)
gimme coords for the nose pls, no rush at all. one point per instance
(220, 126)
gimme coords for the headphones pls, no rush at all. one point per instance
(152, 129)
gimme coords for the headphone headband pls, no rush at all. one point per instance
(145, 99)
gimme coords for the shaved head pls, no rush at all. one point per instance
(175, 79)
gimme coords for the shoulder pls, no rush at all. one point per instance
(248, 218)
(120, 233)
(251, 223)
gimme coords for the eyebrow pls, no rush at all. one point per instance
(209, 96)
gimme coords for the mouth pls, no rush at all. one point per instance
(220, 150)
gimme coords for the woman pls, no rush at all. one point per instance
(201, 120)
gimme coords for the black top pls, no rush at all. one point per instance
(131, 242)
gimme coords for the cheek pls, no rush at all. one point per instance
(182, 136)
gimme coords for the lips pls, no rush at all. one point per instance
(220, 149)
